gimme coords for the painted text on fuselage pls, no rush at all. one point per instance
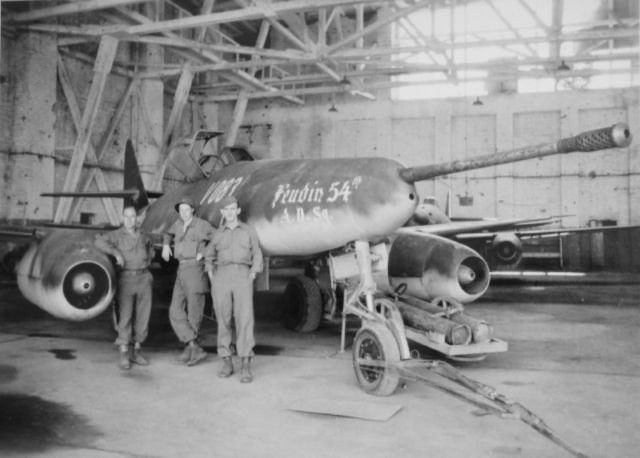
(295, 200)
(220, 189)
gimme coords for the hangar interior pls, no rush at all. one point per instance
(420, 82)
(417, 81)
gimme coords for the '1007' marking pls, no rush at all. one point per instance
(219, 189)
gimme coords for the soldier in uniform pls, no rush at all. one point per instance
(233, 259)
(133, 252)
(190, 236)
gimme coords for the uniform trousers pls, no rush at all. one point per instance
(232, 294)
(187, 301)
(134, 306)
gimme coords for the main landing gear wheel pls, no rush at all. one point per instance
(303, 304)
(374, 342)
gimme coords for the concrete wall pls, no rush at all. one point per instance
(596, 186)
(36, 126)
(27, 125)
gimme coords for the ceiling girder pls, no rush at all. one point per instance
(324, 50)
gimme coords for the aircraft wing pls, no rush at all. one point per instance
(557, 232)
(479, 228)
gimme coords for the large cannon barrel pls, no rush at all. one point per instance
(616, 136)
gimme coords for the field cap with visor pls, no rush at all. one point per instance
(185, 200)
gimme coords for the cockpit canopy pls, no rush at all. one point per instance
(199, 157)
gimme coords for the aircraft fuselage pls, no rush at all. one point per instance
(300, 206)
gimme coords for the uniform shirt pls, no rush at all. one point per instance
(189, 241)
(239, 245)
(136, 249)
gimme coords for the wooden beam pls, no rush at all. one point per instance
(386, 84)
(234, 49)
(116, 118)
(556, 30)
(534, 15)
(76, 116)
(236, 120)
(360, 25)
(67, 8)
(103, 64)
(322, 27)
(207, 6)
(378, 24)
(288, 34)
(96, 173)
(180, 99)
(309, 46)
(146, 117)
(260, 42)
(239, 77)
(263, 10)
(515, 31)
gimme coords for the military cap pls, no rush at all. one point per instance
(229, 200)
(185, 200)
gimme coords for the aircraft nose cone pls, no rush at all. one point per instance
(83, 283)
(466, 275)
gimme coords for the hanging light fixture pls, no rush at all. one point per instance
(478, 102)
(563, 66)
(333, 108)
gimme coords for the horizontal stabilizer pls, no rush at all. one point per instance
(114, 194)
(131, 193)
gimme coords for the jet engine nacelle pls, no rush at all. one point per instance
(424, 266)
(506, 248)
(66, 275)
(431, 266)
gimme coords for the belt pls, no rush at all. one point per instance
(191, 261)
(233, 264)
(135, 271)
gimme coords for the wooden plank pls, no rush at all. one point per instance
(95, 173)
(341, 408)
(102, 67)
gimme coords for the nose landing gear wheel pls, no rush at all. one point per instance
(375, 343)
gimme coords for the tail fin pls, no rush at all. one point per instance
(133, 179)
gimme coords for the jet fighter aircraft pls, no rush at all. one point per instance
(300, 208)
(498, 240)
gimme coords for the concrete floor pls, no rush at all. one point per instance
(576, 366)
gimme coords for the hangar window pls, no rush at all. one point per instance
(469, 49)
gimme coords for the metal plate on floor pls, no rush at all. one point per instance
(354, 409)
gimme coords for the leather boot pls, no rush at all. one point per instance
(245, 373)
(186, 354)
(137, 357)
(123, 362)
(197, 353)
(227, 368)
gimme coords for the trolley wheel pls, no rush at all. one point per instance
(375, 342)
